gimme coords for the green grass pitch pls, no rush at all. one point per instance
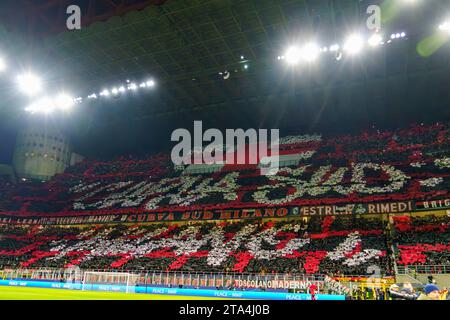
(27, 293)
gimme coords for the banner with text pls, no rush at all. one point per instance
(230, 214)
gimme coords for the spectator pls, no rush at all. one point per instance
(430, 292)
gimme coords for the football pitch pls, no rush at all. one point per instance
(27, 293)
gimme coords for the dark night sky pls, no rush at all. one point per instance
(386, 91)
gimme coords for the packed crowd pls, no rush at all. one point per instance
(296, 246)
(330, 245)
(410, 164)
(286, 247)
(422, 240)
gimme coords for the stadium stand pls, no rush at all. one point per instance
(225, 247)
(380, 166)
(410, 164)
(422, 240)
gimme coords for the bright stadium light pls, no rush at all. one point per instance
(150, 83)
(46, 105)
(122, 89)
(309, 52)
(29, 84)
(354, 44)
(445, 26)
(64, 101)
(132, 86)
(142, 85)
(104, 93)
(42, 105)
(293, 55)
(334, 47)
(375, 40)
(114, 91)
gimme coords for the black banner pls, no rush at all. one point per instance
(230, 214)
(433, 205)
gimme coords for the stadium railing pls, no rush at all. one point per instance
(423, 269)
(152, 276)
(236, 281)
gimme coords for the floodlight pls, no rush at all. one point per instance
(354, 44)
(293, 55)
(42, 105)
(104, 93)
(29, 84)
(334, 47)
(46, 105)
(375, 40)
(132, 86)
(445, 26)
(150, 83)
(115, 91)
(64, 101)
(309, 52)
(122, 89)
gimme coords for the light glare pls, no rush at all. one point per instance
(42, 105)
(64, 101)
(29, 84)
(293, 55)
(445, 26)
(2, 65)
(375, 40)
(309, 52)
(354, 44)
(334, 48)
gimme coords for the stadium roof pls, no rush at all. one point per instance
(185, 44)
